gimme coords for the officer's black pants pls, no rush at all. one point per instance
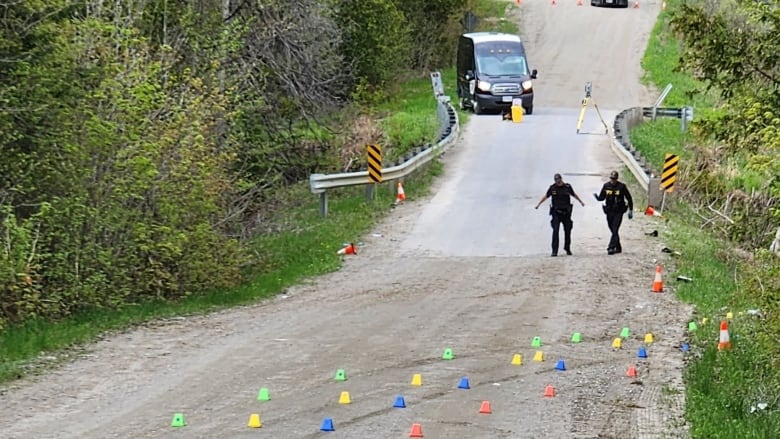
(555, 222)
(614, 219)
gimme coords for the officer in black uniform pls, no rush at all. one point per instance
(560, 211)
(617, 200)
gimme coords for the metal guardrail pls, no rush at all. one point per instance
(662, 111)
(448, 133)
(633, 159)
(622, 146)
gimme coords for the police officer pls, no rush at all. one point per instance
(560, 211)
(617, 200)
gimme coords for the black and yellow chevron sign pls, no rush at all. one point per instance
(669, 174)
(374, 163)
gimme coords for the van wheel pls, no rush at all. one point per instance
(477, 108)
(529, 109)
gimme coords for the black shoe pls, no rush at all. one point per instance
(554, 254)
(610, 251)
(618, 250)
(568, 252)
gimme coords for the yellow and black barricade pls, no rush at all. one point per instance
(374, 163)
(669, 174)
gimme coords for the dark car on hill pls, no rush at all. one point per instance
(610, 3)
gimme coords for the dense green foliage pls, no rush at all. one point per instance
(734, 48)
(113, 190)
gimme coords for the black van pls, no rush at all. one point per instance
(493, 71)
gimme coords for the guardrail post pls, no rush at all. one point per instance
(370, 192)
(654, 193)
(324, 203)
(686, 116)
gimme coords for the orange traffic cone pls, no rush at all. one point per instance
(725, 341)
(416, 431)
(549, 391)
(631, 372)
(485, 408)
(401, 194)
(350, 249)
(579, 2)
(658, 284)
(650, 211)
(553, 2)
(636, 4)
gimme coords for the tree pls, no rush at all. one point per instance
(434, 26)
(376, 40)
(734, 47)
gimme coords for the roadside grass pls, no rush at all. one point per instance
(661, 137)
(410, 117)
(724, 390)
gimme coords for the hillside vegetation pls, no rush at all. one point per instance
(144, 144)
(722, 58)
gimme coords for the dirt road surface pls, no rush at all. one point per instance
(467, 268)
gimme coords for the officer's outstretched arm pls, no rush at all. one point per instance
(541, 200)
(602, 195)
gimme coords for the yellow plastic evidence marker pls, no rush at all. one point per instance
(254, 421)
